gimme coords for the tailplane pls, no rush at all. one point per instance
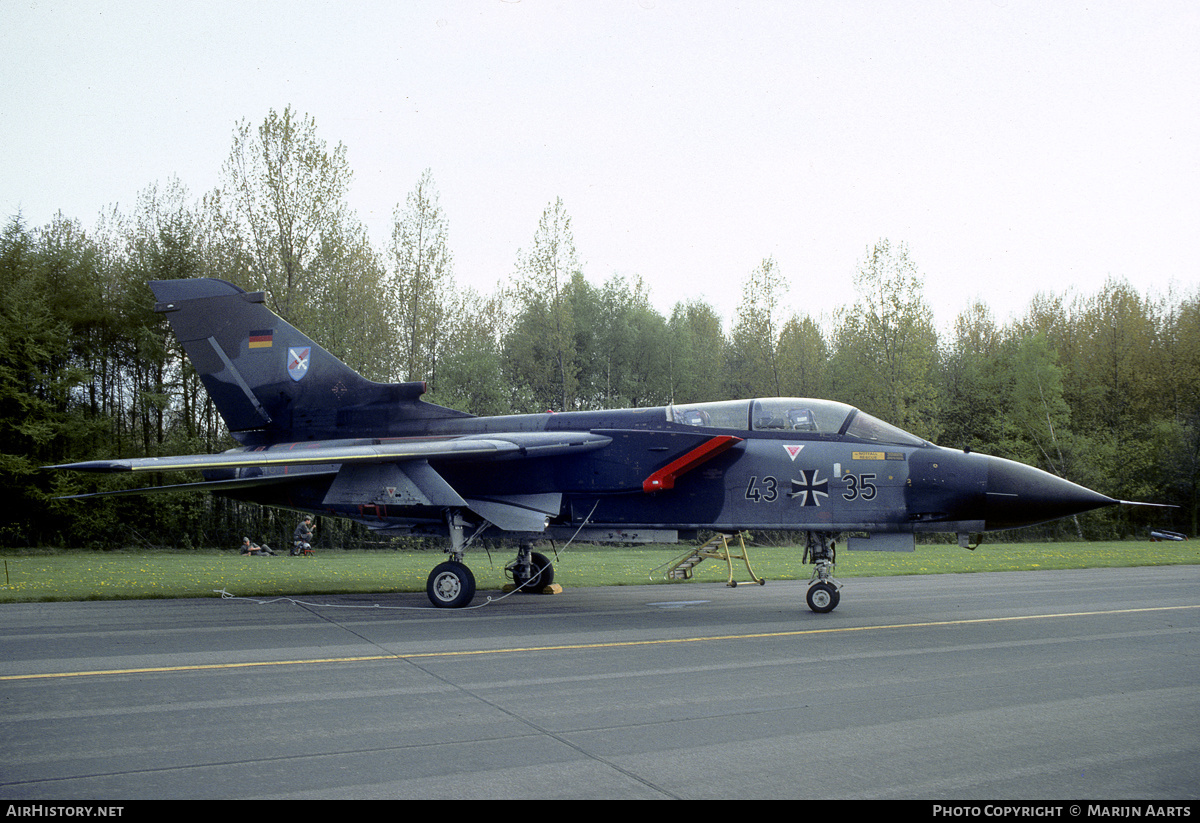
(270, 382)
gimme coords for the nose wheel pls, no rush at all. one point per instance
(823, 594)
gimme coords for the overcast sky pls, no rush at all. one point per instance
(1015, 147)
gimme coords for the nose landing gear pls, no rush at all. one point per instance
(823, 590)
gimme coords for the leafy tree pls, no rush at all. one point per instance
(754, 340)
(1176, 441)
(45, 415)
(541, 349)
(589, 342)
(349, 299)
(283, 196)
(285, 191)
(645, 354)
(622, 345)
(973, 378)
(471, 371)
(160, 241)
(803, 358)
(421, 280)
(697, 353)
(1118, 328)
(1038, 414)
(886, 349)
(1176, 447)
(1178, 360)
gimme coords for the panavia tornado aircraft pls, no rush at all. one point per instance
(318, 437)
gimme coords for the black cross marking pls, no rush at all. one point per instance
(808, 488)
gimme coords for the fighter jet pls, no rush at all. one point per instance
(319, 438)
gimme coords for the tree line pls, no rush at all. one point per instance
(1102, 389)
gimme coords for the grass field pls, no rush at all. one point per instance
(36, 575)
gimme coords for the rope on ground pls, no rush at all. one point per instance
(489, 600)
(226, 595)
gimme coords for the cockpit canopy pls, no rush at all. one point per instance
(798, 416)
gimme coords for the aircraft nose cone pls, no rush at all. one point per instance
(1020, 495)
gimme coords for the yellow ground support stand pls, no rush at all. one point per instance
(717, 548)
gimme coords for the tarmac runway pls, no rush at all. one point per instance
(1002, 686)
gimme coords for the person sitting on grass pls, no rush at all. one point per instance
(255, 549)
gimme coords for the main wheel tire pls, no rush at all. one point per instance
(541, 574)
(451, 585)
(823, 598)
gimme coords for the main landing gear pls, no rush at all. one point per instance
(531, 571)
(823, 591)
(451, 585)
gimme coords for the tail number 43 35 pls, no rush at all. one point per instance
(858, 487)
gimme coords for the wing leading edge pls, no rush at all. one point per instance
(517, 445)
(232, 485)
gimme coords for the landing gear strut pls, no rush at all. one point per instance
(823, 591)
(531, 571)
(451, 585)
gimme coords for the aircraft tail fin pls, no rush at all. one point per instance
(270, 382)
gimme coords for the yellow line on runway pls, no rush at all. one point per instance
(582, 646)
